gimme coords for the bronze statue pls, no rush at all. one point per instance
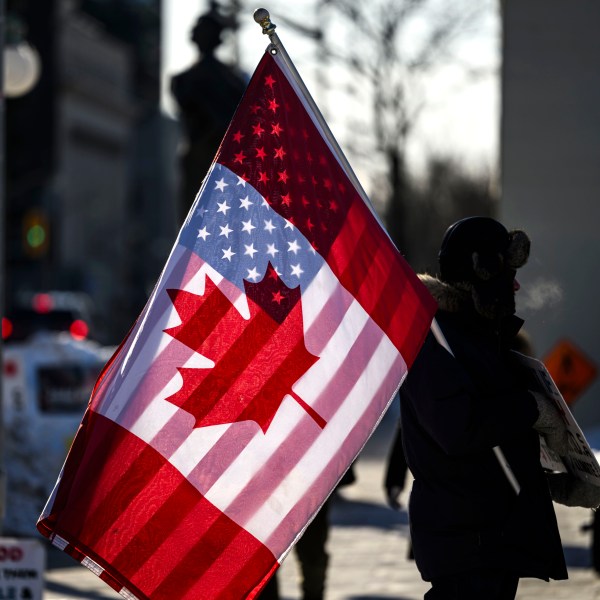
(207, 95)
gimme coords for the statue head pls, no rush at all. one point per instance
(207, 31)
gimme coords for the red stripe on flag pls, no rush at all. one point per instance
(135, 521)
(367, 266)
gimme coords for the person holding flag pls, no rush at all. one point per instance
(481, 514)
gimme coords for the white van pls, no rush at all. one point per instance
(47, 381)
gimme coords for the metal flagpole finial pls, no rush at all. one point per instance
(263, 18)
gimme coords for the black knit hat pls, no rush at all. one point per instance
(477, 249)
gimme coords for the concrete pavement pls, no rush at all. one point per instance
(368, 547)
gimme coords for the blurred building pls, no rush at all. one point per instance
(90, 158)
(551, 172)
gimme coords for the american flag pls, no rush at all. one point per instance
(275, 339)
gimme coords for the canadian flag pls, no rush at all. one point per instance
(276, 337)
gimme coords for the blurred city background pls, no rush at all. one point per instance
(113, 110)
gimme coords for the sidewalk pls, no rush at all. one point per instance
(368, 546)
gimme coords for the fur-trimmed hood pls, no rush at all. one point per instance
(492, 300)
(448, 297)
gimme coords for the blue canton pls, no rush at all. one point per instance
(236, 232)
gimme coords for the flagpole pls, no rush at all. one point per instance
(263, 18)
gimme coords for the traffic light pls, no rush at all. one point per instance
(36, 233)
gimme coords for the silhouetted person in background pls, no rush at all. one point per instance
(395, 476)
(207, 95)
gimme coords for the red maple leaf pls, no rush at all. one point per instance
(257, 361)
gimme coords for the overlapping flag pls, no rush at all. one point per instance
(277, 335)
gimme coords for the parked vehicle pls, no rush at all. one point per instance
(47, 381)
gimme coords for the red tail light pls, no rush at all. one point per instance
(42, 303)
(79, 329)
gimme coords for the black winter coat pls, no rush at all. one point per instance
(464, 514)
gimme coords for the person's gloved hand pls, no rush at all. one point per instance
(393, 497)
(570, 491)
(551, 425)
